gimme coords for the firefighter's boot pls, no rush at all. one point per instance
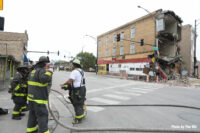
(85, 109)
(16, 117)
(76, 121)
(22, 114)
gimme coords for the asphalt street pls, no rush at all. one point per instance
(106, 90)
(114, 91)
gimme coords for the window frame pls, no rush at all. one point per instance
(132, 52)
(132, 32)
(114, 49)
(121, 50)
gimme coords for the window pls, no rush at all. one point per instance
(99, 43)
(139, 69)
(122, 50)
(114, 38)
(122, 36)
(99, 54)
(160, 25)
(132, 69)
(132, 32)
(114, 50)
(132, 48)
(106, 52)
(107, 40)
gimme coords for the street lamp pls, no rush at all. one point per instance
(144, 9)
(95, 39)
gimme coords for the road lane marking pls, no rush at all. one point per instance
(117, 97)
(127, 93)
(141, 89)
(95, 109)
(103, 100)
(135, 91)
(150, 87)
(107, 88)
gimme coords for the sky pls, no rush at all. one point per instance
(63, 24)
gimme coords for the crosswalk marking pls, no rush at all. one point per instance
(127, 93)
(142, 89)
(103, 100)
(137, 91)
(95, 109)
(108, 88)
(150, 87)
(117, 97)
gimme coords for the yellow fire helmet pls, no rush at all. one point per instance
(76, 61)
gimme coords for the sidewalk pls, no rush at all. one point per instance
(7, 125)
(194, 82)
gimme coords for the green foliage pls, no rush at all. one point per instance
(87, 60)
(59, 62)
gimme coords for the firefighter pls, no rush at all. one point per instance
(38, 83)
(77, 92)
(19, 89)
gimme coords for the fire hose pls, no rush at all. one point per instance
(116, 129)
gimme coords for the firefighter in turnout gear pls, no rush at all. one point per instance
(77, 91)
(38, 83)
(19, 89)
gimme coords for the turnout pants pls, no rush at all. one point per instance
(20, 105)
(78, 99)
(38, 115)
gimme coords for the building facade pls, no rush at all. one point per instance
(160, 30)
(13, 48)
(14, 44)
(187, 48)
(117, 53)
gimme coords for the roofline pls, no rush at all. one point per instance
(131, 22)
(10, 57)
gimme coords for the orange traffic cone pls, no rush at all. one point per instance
(127, 76)
(147, 78)
(156, 79)
(138, 77)
(121, 76)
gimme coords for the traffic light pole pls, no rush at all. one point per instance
(44, 52)
(138, 42)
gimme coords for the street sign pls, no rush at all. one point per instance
(113, 59)
(155, 48)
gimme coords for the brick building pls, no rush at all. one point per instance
(187, 48)
(157, 28)
(13, 47)
(14, 44)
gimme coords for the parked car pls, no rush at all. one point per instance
(91, 70)
(61, 68)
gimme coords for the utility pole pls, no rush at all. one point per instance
(154, 19)
(195, 59)
(96, 42)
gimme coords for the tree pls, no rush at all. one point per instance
(88, 60)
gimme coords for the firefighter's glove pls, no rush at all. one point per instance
(65, 87)
(9, 91)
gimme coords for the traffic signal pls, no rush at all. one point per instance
(118, 37)
(48, 52)
(141, 42)
(58, 53)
